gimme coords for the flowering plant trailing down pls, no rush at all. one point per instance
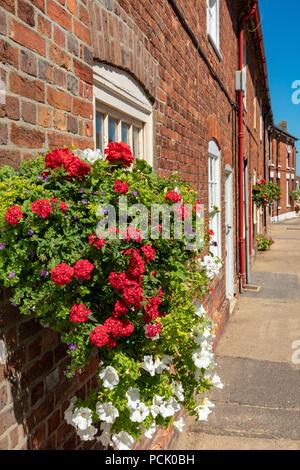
(264, 243)
(129, 300)
(264, 193)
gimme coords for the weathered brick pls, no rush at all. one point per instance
(59, 78)
(27, 37)
(26, 12)
(82, 108)
(60, 57)
(29, 112)
(3, 134)
(83, 71)
(82, 32)
(72, 84)
(3, 27)
(37, 393)
(9, 5)
(59, 120)
(72, 124)
(9, 54)
(59, 99)
(14, 437)
(10, 157)
(35, 348)
(59, 37)
(45, 70)
(4, 443)
(72, 6)
(44, 26)
(25, 137)
(73, 46)
(39, 4)
(11, 108)
(32, 89)
(89, 129)
(53, 422)
(7, 419)
(3, 396)
(28, 62)
(58, 139)
(59, 15)
(38, 436)
(44, 116)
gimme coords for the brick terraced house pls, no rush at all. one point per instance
(186, 85)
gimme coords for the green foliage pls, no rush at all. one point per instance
(264, 243)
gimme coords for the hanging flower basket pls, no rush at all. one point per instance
(127, 299)
(264, 193)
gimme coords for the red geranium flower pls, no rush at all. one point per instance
(13, 215)
(79, 313)
(62, 274)
(119, 153)
(42, 207)
(121, 187)
(59, 158)
(173, 196)
(83, 269)
(99, 336)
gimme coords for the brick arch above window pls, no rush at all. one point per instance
(213, 130)
(117, 41)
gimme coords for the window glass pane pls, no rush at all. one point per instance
(135, 141)
(112, 129)
(125, 132)
(99, 131)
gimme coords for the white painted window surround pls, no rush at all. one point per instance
(214, 194)
(123, 109)
(213, 24)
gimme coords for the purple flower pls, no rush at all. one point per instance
(84, 201)
(26, 191)
(11, 275)
(94, 193)
(75, 217)
(46, 326)
(2, 246)
(105, 212)
(32, 253)
(39, 177)
(81, 190)
(13, 304)
(46, 179)
(30, 232)
(103, 193)
(215, 244)
(43, 272)
(72, 346)
(66, 217)
(134, 192)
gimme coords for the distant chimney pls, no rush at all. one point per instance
(283, 125)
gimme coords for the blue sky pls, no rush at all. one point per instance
(280, 23)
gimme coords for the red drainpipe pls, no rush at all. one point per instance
(241, 149)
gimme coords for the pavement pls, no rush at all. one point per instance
(259, 406)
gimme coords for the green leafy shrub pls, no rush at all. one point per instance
(264, 243)
(264, 193)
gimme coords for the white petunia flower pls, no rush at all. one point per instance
(133, 397)
(204, 410)
(109, 377)
(163, 363)
(179, 424)
(202, 358)
(148, 365)
(82, 418)
(107, 412)
(150, 431)
(105, 437)
(178, 390)
(156, 403)
(87, 434)
(140, 413)
(123, 440)
(216, 381)
(169, 408)
(90, 155)
(68, 415)
(199, 309)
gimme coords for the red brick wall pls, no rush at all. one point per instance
(47, 51)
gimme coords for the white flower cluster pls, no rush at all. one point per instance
(212, 266)
(90, 155)
(81, 419)
(157, 366)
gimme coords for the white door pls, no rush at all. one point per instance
(229, 234)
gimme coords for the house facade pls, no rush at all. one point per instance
(162, 76)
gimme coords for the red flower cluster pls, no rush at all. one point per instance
(120, 309)
(96, 242)
(62, 205)
(79, 313)
(117, 280)
(62, 274)
(151, 308)
(182, 212)
(42, 207)
(136, 266)
(131, 233)
(173, 196)
(121, 187)
(262, 181)
(99, 336)
(83, 269)
(73, 165)
(153, 330)
(148, 252)
(13, 215)
(119, 153)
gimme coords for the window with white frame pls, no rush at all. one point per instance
(288, 151)
(123, 112)
(214, 195)
(260, 120)
(213, 22)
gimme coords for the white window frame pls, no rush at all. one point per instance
(214, 195)
(288, 191)
(213, 24)
(260, 121)
(117, 94)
